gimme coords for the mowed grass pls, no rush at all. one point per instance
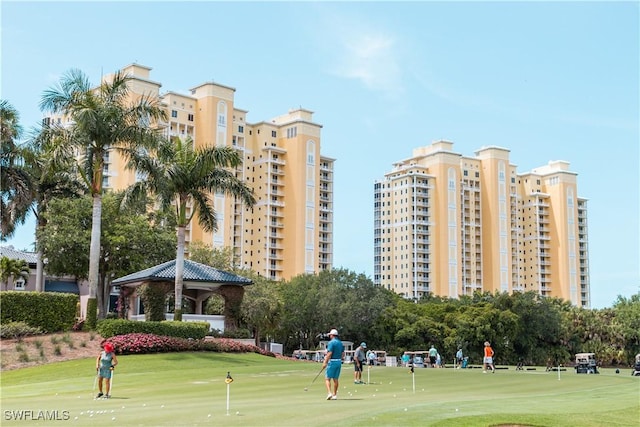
(189, 389)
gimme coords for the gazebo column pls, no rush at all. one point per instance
(132, 308)
(200, 299)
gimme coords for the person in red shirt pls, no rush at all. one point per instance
(488, 358)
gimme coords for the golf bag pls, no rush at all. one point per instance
(465, 362)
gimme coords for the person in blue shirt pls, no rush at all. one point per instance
(333, 363)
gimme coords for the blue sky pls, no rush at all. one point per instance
(548, 80)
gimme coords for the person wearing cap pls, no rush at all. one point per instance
(105, 363)
(333, 363)
(359, 358)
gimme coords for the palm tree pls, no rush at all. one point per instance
(102, 120)
(11, 268)
(15, 185)
(184, 177)
(50, 165)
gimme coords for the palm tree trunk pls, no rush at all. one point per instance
(177, 313)
(39, 271)
(39, 253)
(94, 261)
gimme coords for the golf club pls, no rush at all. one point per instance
(113, 374)
(315, 378)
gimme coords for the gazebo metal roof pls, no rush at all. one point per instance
(195, 276)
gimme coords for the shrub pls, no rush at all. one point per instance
(48, 311)
(17, 330)
(92, 313)
(149, 343)
(112, 327)
(236, 333)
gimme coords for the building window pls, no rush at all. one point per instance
(190, 117)
(240, 129)
(19, 284)
(174, 113)
(273, 133)
(465, 173)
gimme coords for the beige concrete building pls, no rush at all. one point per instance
(449, 225)
(290, 229)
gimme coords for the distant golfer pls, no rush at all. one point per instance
(488, 358)
(333, 363)
(459, 357)
(371, 357)
(433, 355)
(359, 359)
(105, 363)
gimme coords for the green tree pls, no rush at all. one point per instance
(132, 239)
(627, 317)
(15, 184)
(261, 308)
(315, 303)
(12, 268)
(184, 177)
(107, 119)
(220, 258)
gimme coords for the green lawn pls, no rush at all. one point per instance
(188, 389)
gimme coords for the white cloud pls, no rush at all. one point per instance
(371, 59)
(356, 49)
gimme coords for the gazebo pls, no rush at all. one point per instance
(199, 283)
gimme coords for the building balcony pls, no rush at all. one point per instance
(277, 171)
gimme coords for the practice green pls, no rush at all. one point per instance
(189, 389)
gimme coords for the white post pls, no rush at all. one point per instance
(413, 379)
(228, 380)
(558, 372)
(368, 369)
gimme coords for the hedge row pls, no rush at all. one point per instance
(112, 327)
(48, 311)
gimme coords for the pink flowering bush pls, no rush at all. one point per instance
(150, 343)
